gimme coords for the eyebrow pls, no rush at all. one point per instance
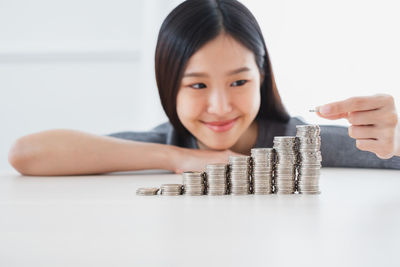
(203, 74)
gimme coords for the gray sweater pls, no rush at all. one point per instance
(337, 148)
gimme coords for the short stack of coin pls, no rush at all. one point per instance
(239, 175)
(285, 164)
(147, 191)
(309, 159)
(263, 160)
(171, 189)
(216, 179)
(193, 183)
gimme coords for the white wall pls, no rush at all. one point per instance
(78, 64)
(88, 65)
(324, 51)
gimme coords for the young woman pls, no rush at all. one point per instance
(217, 88)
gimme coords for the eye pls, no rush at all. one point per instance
(239, 82)
(198, 86)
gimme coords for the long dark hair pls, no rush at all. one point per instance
(190, 26)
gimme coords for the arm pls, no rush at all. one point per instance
(67, 152)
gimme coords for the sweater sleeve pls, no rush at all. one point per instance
(156, 135)
(162, 134)
(338, 149)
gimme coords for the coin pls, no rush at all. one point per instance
(263, 160)
(292, 164)
(239, 174)
(171, 189)
(285, 164)
(147, 191)
(309, 143)
(216, 179)
(193, 183)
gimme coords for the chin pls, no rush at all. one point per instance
(218, 146)
(225, 143)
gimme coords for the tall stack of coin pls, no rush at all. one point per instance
(193, 183)
(309, 159)
(171, 189)
(216, 179)
(262, 170)
(239, 175)
(285, 164)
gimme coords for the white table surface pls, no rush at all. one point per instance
(99, 221)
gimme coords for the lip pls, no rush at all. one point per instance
(220, 126)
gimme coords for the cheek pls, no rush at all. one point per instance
(188, 107)
(249, 103)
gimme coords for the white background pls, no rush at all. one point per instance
(89, 65)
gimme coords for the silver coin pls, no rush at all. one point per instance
(262, 170)
(193, 183)
(216, 176)
(171, 187)
(309, 158)
(234, 168)
(263, 193)
(310, 193)
(216, 166)
(280, 192)
(192, 174)
(147, 191)
(216, 179)
(285, 138)
(193, 187)
(234, 159)
(164, 193)
(262, 150)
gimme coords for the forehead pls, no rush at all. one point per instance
(221, 54)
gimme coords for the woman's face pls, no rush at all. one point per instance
(219, 95)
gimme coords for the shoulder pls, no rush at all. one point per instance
(165, 127)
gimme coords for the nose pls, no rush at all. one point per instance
(219, 102)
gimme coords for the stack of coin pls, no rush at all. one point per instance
(239, 175)
(193, 183)
(216, 179)
(171, 189)
(309, 159)
(147, 191)
(285, 164)
(263, 160)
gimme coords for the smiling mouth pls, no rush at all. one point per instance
(220, 126)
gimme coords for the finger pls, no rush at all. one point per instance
(353, 104)
(333, 117)
(367, 145)
(373, 146)
(366, 117)
(363, 132)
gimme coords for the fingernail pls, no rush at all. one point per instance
(324, 110)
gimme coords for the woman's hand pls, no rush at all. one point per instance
(196, 159)
(374, 122)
